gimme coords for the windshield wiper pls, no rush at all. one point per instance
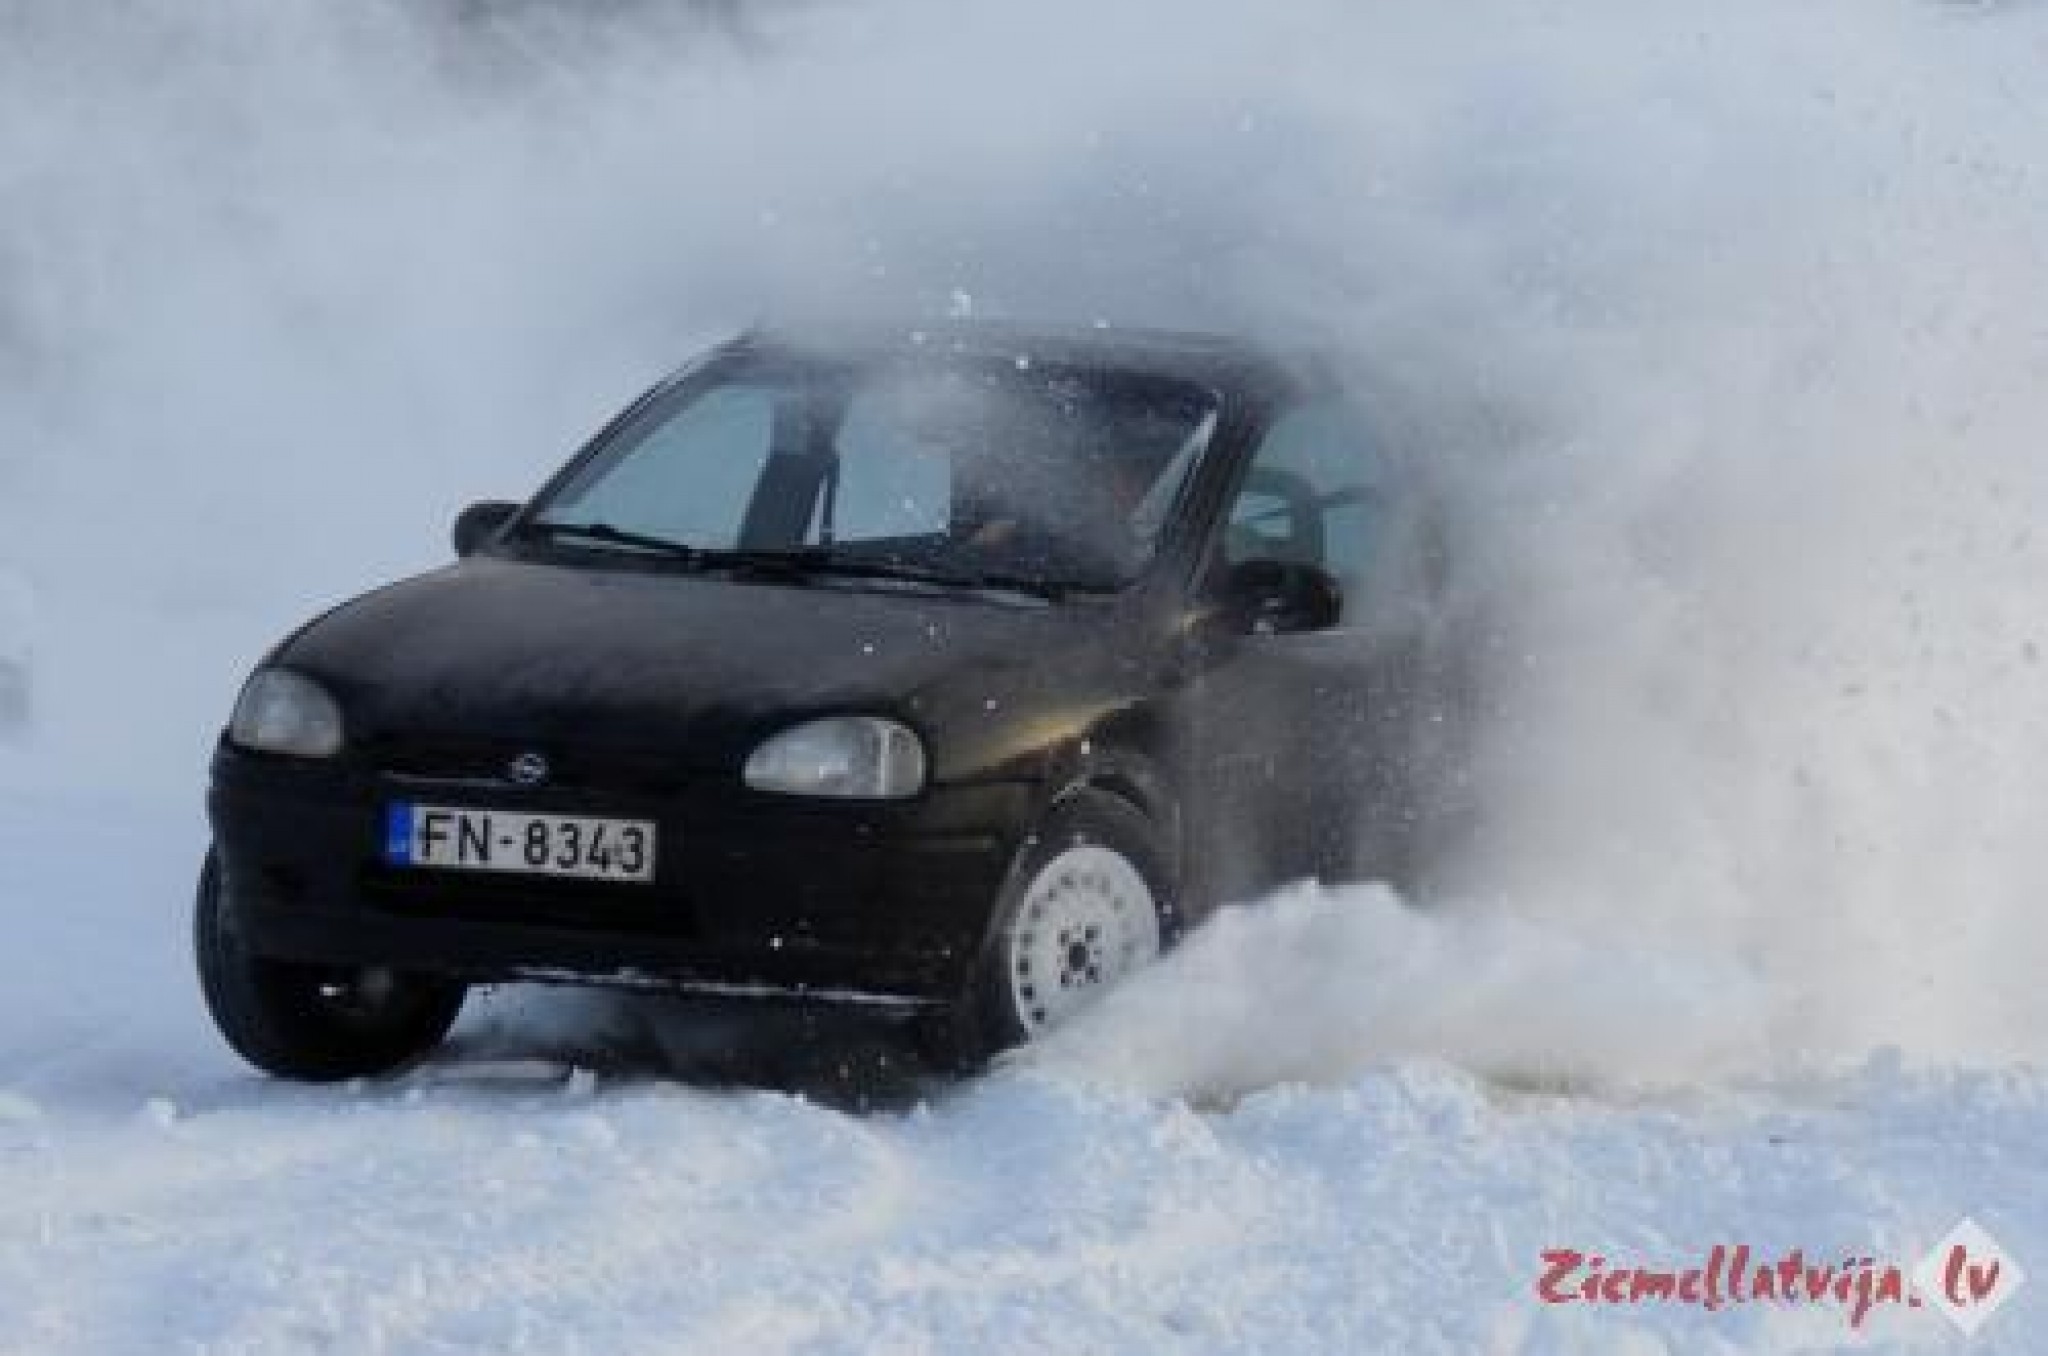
(614, 536)
(799, 562)
(780, 563)
(826, 561)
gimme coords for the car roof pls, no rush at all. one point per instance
(1222, 362)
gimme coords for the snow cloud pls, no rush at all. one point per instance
(1724, 323)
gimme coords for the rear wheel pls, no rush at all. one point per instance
(1088, 901)
(318, 1023)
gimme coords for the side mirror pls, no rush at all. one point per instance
(1277, 597)
(480, 522)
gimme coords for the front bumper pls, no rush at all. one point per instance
(752, 894)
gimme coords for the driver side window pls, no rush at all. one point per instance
(1314, 494)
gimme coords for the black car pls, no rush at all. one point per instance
(956, 672)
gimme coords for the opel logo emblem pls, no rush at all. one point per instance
(528, 769)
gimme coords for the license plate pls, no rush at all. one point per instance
(501, 840)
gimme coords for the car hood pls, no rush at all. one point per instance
(698, 667)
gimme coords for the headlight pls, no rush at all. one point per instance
(283, 712)
(862, 757)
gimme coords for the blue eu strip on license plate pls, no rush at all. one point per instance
(398, 835)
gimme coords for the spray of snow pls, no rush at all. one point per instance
(1724, 323)
(1315, 985)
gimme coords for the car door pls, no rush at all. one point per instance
(1302, 732)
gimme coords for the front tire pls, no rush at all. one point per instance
(1089, 899)
(315, 1023)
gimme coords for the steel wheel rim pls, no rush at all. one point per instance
(1086, 920)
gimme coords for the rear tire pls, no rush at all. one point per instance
(315, 1023)
(1089, 899)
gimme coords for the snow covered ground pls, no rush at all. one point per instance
(156, 1196)
(1726, 323)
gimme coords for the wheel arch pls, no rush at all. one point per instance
(1123, 755)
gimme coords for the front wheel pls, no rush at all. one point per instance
(317, 1023)
(1088, 901)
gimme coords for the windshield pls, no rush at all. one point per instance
(980, 469)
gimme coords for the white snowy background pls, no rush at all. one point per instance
(1728, 325)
